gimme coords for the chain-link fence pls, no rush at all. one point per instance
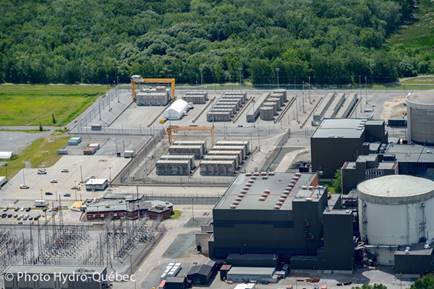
(139, 131)
(200, 199)
(95, 113)
(130, 169)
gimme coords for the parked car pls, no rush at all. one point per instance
(24, 187)
(67, 195)
(64, 171)
(48, 193)
(54, 181)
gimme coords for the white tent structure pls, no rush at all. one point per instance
(6, 155)
(177, 110)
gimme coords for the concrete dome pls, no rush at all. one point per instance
(396, 189)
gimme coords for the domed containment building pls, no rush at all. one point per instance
(420, 119)
(396, 212)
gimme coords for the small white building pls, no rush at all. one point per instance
(6, 155)
(177, 110)
(96, 184)
(3, 181)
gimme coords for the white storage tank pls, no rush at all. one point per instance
(395, 210)
(420, 119)
(177, 110)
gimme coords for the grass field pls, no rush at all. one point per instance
(41, 153)
(24, 104)
(419, 36)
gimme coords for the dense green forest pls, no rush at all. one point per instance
(265, 41)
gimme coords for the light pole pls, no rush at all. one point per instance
(201, 75)
(241, 76)
(277, 76)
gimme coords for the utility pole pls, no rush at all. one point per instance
(302, 100)
(366, 91)
(277, 76)
(310, 100)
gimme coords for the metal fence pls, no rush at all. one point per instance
(185, 199)
(140, 131)
(203, 181)
(130, 169)
(94, 113)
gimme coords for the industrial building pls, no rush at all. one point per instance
(217, 167)
(264, 215)
(173, 167)
(177, 110)
(157, 96)
(234, 143)
(196, 97)
(189, 158)
(420, 119)
(240, 148)
(365, 167)
(131, 206)
(196, 150)
(396, 220)
(388, 159)
(226, 107)
(97, 184)
(269, 107)
(55, 277)
(336, 141)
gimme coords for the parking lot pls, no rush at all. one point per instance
(59, 180)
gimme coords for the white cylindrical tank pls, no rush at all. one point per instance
(395, 210)
(420, 119)
(177, 110)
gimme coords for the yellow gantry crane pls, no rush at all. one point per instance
(171, 129)
(136, 79)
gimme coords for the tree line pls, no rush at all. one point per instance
(205, 41)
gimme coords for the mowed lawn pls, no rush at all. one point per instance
(419, 36)
(24, 104)
(41, 153)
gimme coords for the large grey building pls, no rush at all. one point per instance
(339, 140)
(389, 159)
(283, 215)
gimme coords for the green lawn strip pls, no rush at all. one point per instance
(42, 152)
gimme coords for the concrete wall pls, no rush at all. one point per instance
(329, 154)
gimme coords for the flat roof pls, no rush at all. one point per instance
(396, 186)
(263, 191)
(96, 181)
(340, 128)
(411, 152)
(416, 249)
(252, 270)
(421, 99)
